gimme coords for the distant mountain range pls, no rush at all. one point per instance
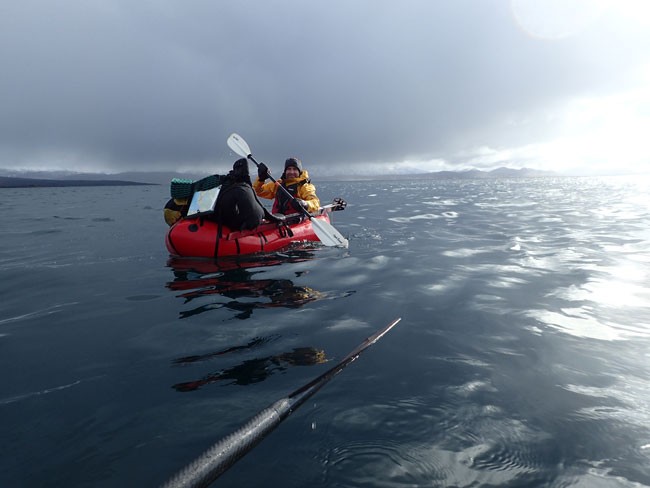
(495, 173)
(17, 182)
(14, 179)
(456, 175)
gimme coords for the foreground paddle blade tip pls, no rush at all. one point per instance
(381, 333)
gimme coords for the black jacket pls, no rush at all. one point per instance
(237, 206)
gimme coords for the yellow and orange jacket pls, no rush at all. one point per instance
(300, 187)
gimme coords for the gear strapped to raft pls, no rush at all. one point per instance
(203, 234)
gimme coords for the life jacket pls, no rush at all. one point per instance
(282, 203)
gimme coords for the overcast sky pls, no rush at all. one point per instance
(362, 86)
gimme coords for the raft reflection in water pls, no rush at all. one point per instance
(238, 281)
(257, 369)
(202, 281)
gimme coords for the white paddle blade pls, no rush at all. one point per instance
(328, 235)
(238, 145)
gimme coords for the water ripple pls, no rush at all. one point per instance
(46, 391)
(38, 313)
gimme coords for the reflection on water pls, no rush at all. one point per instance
(256, 342)
(523, 359)
(537, 300)
(242, 285)
(258, 369)
(240, 280)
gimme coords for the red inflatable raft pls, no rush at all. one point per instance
(197, 237)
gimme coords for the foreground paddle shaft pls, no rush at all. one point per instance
(222, 455)
(327, 234)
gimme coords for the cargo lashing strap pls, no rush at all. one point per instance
(218, 238)
(284, 230)
(263, 240)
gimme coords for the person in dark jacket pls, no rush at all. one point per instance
(237, 205)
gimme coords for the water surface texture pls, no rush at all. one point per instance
(522, 358)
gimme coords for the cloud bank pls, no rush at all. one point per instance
(363, 86)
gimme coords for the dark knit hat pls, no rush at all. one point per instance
(241, 166)
(295, 162)
(240, 171)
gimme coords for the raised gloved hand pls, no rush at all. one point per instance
(262, 171)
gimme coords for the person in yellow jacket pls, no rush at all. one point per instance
(295, 180)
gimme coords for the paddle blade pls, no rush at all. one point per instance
(238, 145)
(328, 235)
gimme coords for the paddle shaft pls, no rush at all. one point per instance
(226, 452)
(286, 192)
(327, 234)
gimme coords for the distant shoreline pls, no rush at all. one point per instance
(14, 182)
(23, 179)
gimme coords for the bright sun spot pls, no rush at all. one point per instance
(597, 135)
(605, 132)
(558, 19)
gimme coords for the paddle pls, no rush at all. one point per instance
(222, 455)
(327, 234)
(335, 206)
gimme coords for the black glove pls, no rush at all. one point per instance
(339, 204)
(262, 172)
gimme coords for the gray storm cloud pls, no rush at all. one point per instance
(157, 85)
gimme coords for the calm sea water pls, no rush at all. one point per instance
(522, 358)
